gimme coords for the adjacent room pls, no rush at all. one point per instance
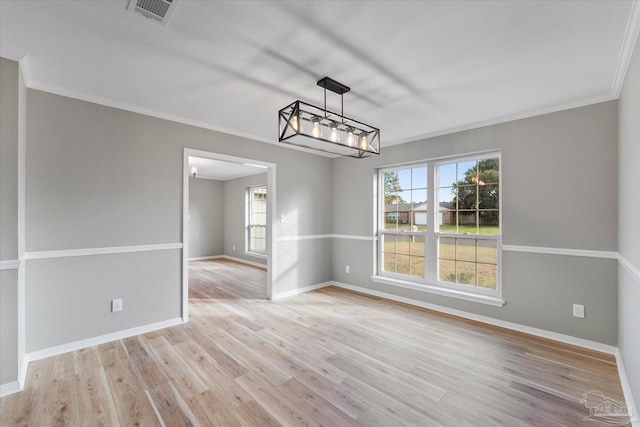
(319, 213)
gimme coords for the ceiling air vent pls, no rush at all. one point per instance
(158, 10)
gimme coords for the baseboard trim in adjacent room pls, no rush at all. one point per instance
(10, 388)
(302, 290)
(244, 261)
(203, 258)
(567, 339)
(626, 390)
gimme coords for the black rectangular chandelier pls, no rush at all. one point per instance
(308, 126)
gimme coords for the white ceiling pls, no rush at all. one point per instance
(222, 170)
(415, 68)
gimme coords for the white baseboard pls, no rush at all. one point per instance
(568, 339)
(626, 390)
(16, 386)
(230, 258)
(244, 261)
(10, 388)
(90, 342)
(202, 258)
(301, 290)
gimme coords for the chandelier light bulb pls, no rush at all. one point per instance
(334, 135)
(351, 139)
(316, 131)
(296, 123)
(364, 142)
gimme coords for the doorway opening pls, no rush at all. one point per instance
(223, 228)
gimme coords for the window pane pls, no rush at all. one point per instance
(389, 243)
(390, 187)
(404, 179)
(418, 216)
(417, 245)
(487, 251)
(467, 197)
(417, 266)
(402, 244)
(447, 248)
(404, 198)
(488, 171)
(391, 217)
(402, 264)
(489, 222)
(419, 197)
(467, 222)
(467, 172)
(419, 177)
(466, 250)
(466, 273)
(447, 218)
(389, 262)
(447, 175)
(487, 274)
(488, 197)
(447, 270)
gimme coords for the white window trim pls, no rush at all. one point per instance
(247, 220)
(430, 283)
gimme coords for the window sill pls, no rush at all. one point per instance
(256, 254)
(453, 293)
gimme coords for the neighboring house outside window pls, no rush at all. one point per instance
(439, 226)
(256, 220)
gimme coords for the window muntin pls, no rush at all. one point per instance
(256, 224)
(448, 234)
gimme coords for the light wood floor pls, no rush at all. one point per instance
(328, 357)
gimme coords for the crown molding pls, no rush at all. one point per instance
(505, 119)
(57, 90)
(630, 38)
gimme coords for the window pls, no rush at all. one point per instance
(439, 225)
(256, 223)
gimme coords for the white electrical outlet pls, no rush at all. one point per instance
(233, 248)
(116, 305)
(578, 310)
(347, 269)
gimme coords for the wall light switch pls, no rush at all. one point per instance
(282, 218)
(578, 310)
(116, 305)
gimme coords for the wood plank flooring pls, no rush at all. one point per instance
(324, 358)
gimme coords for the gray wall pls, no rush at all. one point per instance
(206, 218)
(8, 159)
(234, 215)
(8, 326)
(629, 223)
(559, 190)
(101, 177)
(69, 299)
(8, 219)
